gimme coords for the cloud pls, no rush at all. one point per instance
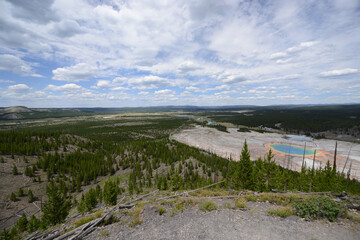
(104, 84)
(234, 79)
(147, 82)
(19, 88)
(38, 11)
(143, 93)
(16, 65)
(291, 51)
(66, 28)
(68, 88)
(6, 81)
(75, 73)
(193, 89)
(278, 55)
(338, 73)
(187, 67)
(164, 92)
(194, 48)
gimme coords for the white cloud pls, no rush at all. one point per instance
(6, 81)
(104, 84)
(278, 55)
(147, 82)
(165, 92)
(19, 88)
(291, 51)
(66, 28)
(75, 73)
(143, 93)
(193, 89)
(68, 88)
(196, 46)
(234, 79)
(339, 72)
(187, 67)
(16, 65)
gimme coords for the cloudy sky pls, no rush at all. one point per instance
(113, 53)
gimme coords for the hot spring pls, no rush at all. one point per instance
(289, 149)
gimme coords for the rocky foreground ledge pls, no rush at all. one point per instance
(252, 222)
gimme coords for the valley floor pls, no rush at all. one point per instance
(230, 144)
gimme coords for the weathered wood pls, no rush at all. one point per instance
(353, 206)
(232, 196)
(139, 198)
(14, 215)
(187, 192)
(302, 193)
(80, 228)
(126, 206)
(91, 228)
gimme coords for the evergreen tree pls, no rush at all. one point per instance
(270, 168)
(110, 193)
(13, 197)
(15, 170)
(30, 196)
(21, 192)
(245, 169)
(22, 223)
(33, 224)
(57, 207)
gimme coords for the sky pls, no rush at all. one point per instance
(113, 53)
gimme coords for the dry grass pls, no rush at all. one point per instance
(207, 206)
(281, 212)
(240, 203)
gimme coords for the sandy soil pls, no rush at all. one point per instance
(229, 145)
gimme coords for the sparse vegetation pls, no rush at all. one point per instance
(319, 207)
(161, 210)
(207, 206)
(239, 203)
(136, 217)
(13, 197)
(281, 212)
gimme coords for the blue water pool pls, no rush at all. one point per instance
(289, 149)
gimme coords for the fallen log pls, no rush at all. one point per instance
(139, 198)
(91, 228)
(303, 193)
(187, 192)
(353, 206)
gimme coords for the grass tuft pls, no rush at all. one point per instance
(281, 212)
(207, 206)
(240, 203)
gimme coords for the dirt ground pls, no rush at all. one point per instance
(229, 145)
(226, 223)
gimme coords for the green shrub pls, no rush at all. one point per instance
(13, 197)
(161, 210)
(21, 192)
(22, 223)
(110, 193)
(318, 207)
(33, 224)
(15, 170)
(207, 206)
(281, 212)
(30, 196)
(239, 203)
